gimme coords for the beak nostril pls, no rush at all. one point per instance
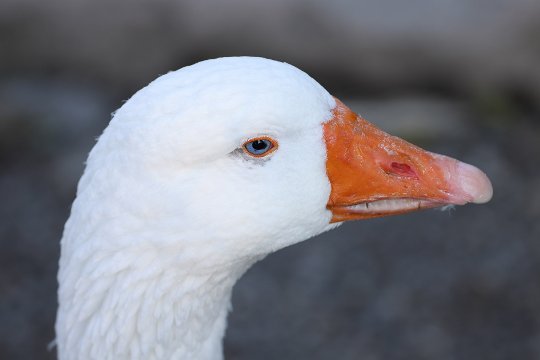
(402, 170)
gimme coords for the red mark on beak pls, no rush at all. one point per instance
(402, 170)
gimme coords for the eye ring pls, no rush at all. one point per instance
(260, 146)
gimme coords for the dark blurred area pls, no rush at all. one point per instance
(459, 77)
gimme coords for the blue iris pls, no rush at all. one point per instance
(259, 146)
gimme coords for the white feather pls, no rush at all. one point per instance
(168, 216)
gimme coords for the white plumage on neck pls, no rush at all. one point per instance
(169, 214)
(148, 308)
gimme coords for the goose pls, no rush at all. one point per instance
(204, 172)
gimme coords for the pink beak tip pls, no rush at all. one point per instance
(474, 183)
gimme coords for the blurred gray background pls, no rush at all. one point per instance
(460, 77)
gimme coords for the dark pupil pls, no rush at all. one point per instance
(259, 145)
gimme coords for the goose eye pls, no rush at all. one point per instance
(260, 147)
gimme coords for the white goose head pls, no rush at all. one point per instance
(202, 173)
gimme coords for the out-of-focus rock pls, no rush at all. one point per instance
(50, 123)
(450, 45)
(415, 118)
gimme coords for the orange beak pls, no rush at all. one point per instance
(374, 174)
